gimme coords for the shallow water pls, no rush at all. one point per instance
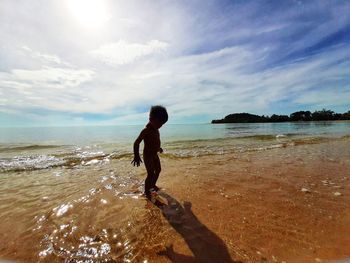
(81, 200)
(74, 215)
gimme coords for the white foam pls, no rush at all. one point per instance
(280, 136)
(30, 162)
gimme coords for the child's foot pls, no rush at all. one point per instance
(153, 191)
(148, 196)
(156, 188)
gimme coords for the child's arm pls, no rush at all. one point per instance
(160, 148)
(137, 159)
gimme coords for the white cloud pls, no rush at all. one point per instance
(122, 52)
(46, 77)
(127, 119)
(325, 98)
(222, 81)
(46, 58)
(209, 84)
(48, 87)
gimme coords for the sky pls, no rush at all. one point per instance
(105, 62)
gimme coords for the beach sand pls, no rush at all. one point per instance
(286, 204)
(280, 205)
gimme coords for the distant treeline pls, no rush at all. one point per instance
(322, 115)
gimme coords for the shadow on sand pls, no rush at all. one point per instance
(205, 245)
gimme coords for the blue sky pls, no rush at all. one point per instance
(104, 62)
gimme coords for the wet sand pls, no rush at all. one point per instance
(274, 206)
(279, 205)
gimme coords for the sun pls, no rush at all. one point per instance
(89, 13)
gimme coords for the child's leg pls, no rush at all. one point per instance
(148, 184)
(157, 169)
(150, 174)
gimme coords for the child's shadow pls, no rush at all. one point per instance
(205, 245)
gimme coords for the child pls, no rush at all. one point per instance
(150, 135)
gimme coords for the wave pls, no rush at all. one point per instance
(176, 150)
(236, 136)
(271, 136)
(67, 160)
(30, 147)
(20, 163)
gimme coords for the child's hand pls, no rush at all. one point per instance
(160, 150)
(137, 160)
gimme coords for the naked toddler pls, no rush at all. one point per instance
(150, 135)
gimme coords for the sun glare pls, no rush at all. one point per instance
(89, 13)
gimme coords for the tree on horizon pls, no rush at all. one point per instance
(318, 115)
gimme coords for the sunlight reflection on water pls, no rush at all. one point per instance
(92, 229)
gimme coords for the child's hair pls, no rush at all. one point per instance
(159, 112)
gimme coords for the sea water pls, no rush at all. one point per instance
(43, 147)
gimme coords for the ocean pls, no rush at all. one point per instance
(44, 147)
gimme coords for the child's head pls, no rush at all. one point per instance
(158, 115)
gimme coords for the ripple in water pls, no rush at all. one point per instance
(108, 224)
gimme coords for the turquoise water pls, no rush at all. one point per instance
(170, 132)
(44, 147)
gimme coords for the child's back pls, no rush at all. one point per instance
(151, 140)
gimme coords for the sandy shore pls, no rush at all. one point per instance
(279, 205)
(289, 204)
